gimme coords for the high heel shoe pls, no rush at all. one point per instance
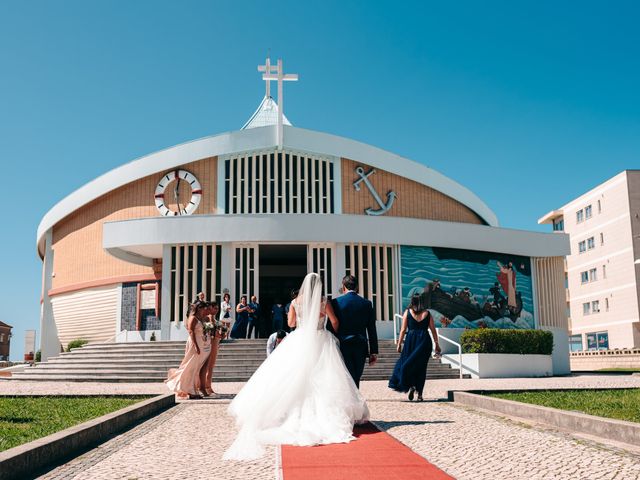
(412, 392)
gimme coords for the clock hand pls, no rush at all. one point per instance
(176, 193)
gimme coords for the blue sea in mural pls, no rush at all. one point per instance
(420, 265)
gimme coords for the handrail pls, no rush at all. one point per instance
(442, 337)
(395, 340)
(395, 327)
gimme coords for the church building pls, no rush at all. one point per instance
(251, 211)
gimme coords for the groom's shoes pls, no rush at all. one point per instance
(412, 391)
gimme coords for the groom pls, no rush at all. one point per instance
(357, 321)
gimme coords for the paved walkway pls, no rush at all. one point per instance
(376, 390)
(189, 440)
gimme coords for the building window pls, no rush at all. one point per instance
(606, 304)
(598, 341)
(591, 243)
(604, 272)
(194, 269)
(593, 275)
(372, 265)
(579, 216)
(558, 225)
(575, 343)
(1, 337)
(582, 246)
(279, 182)
(584, 277)
(586, 308)
(587, 212)
(602, 239)
(595, 306)
(599, 207)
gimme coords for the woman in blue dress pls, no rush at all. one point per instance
(239, 329)
(410, 372)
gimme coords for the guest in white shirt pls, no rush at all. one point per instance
(274, 341)
(226, 310)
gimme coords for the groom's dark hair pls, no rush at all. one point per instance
(349, 282)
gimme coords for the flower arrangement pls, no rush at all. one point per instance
(215, 328)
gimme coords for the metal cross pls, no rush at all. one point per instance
(279, 76)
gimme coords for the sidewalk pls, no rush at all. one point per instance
(189, 440)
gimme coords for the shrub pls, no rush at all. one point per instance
(77, 343)
(494, 340)
(38, 356)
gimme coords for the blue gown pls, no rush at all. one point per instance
(239, 329)
(411, 367)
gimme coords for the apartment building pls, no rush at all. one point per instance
(603, 270)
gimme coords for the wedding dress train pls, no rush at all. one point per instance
(302, 394)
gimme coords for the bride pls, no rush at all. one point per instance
(302, 394)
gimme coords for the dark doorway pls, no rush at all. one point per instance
(282, 269)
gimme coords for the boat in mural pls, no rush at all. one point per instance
(451, 305)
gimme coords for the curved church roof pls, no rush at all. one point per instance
(260, 133)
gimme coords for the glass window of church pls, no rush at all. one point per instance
(372, 265)
(194, 269)
(587, 212)
(582, 246)
(593, 275)
(601, 238)
(584, 277)
(606, 304)
(579, 216)
(599, 207)
(586, 308)
(591, 243)
(595, 306)
(279, 182)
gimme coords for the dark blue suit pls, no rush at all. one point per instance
(357, 322)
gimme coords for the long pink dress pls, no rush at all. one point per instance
(185, 379)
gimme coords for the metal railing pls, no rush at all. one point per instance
(460, 366)
(396, 332)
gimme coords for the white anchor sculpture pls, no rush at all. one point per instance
(391, 195)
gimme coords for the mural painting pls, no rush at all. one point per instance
(469, 289)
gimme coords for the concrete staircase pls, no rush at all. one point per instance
(150, 361)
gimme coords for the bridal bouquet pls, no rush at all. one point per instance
(208, 328)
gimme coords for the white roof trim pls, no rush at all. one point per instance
(258, 139)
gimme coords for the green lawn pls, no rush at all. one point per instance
(23, 419)
(618, 404)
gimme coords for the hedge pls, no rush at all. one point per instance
(77, 343)
(494, 340)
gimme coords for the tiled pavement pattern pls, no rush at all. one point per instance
(188, 440)
(372, 389)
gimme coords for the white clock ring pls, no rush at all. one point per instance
(178, 176)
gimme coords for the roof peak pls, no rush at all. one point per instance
(265, 115)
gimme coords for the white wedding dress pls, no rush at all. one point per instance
(302, 394)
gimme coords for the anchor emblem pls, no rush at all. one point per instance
(391, 195)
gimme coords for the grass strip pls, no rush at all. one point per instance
(23, 419)
(618, 404)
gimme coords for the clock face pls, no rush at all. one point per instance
(178, 193)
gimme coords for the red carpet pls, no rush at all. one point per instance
(374, 455)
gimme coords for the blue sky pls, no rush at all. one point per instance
(528, 104)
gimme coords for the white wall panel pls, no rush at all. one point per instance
(91, 314)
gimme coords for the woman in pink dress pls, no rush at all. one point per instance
(188, 379)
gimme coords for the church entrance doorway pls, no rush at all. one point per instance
(282, 269)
